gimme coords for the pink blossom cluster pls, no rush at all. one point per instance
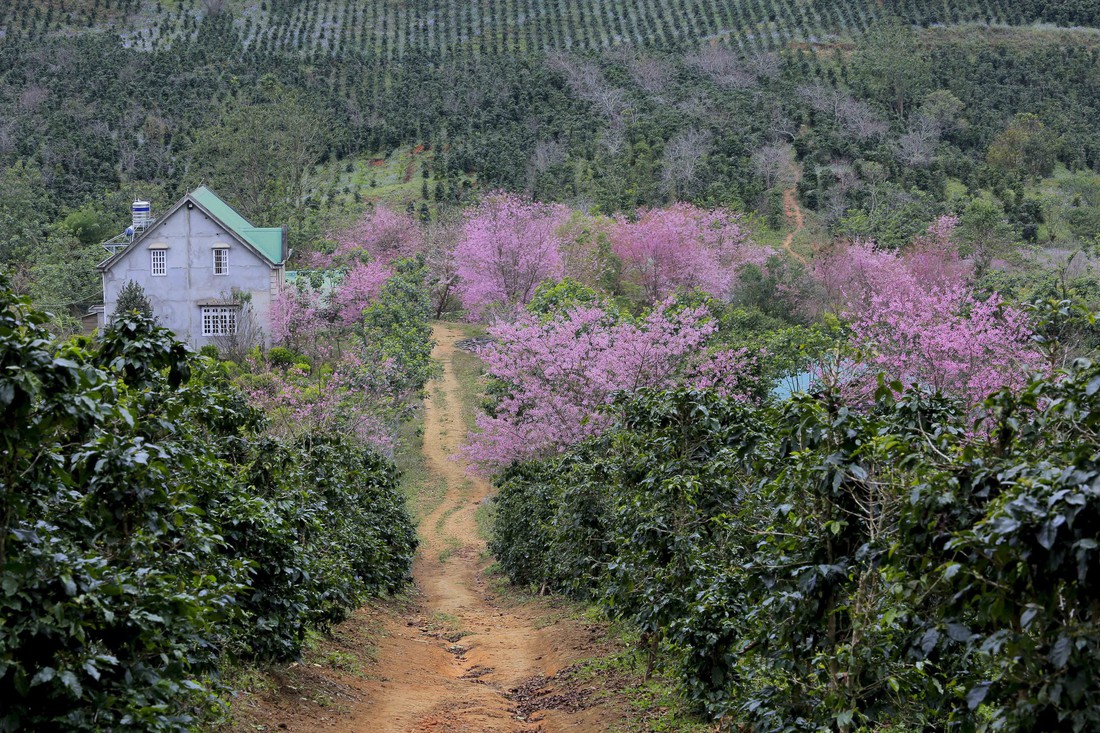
(381, 235)
(561, 373)
(299, 403)
(852, 271)
(944, 339)
(360, 285)
(683, 246)
(508, 246)
(914, 318)
(296, 316)
(360, 263)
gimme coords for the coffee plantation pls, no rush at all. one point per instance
(152, 533)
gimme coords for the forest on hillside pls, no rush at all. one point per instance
(883, 116)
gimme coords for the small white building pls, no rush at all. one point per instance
(203, 266)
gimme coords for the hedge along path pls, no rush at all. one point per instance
(428, 679)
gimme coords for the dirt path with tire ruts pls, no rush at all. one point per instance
(460, 659)
(795, 219)
(463, 653)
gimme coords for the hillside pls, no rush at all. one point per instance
(392, 29)
(887, 113)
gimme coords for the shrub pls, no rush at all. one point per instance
(830, 568)
(281, 356)
(150, 528)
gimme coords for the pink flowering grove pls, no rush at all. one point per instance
(382, 235)
(560, 373)
(359, 286)
(914, 318)
(296, 316)
(683, 246)
(359, 264)
(298, 403)
(508, 246)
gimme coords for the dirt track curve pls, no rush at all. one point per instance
(429, 683)
(795, 219)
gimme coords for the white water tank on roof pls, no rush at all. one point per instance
(143, 214)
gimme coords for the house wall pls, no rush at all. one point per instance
(190, 238)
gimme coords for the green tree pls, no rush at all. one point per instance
(89, 225)
(396, 343)
(132, 299)
(1024, 148)
(984, 233)
(891, 66)
(25, 211)
(260, 152)
(149, 529)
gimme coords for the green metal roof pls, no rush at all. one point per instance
(267, 240)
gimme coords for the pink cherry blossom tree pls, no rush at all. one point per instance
(944, 339)
(356, 268)
(850, 272)
(297, 316)
(560, 373)
(914, 318)
(359, 286)
(300, 402)
(683, 246)
(380, 235)
(507, 247)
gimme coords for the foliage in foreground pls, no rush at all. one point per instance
(813, 567)
(151, 532)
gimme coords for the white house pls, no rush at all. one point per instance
(197, 264)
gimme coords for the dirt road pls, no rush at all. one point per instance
(449, 664)
(457, 657)
(795, 219)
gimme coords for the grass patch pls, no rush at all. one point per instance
(468, 369)
(350, 649)
(445, 626)
(349, 653)
(448, 514)
(470, 330)
(654, 705)
(503, 588)
(424, 491)
(484, 516)
(451, 545)
(425, 496)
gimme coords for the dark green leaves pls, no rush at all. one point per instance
(151, 531)
(826, 566)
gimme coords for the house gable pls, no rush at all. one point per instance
(191, 262)
(267, 243)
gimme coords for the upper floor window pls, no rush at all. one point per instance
(159, 262)
(221, 261)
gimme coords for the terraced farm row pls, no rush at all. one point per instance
(391, 28)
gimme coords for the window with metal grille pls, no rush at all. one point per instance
(159, 262)
(221, 261)
(219, 320)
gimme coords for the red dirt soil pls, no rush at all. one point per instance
(795, 218)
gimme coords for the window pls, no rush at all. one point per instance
(159, 262)
(221, 261)
(219, 320)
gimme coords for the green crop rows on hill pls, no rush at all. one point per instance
(390, 29)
